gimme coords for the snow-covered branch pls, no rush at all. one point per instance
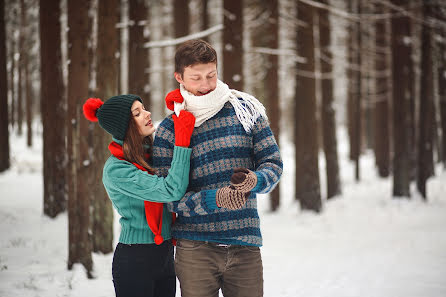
(172, 42)
(279, 52)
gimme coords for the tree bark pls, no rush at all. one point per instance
(401, 118)
(20, 86)
(425, 141)
(382, 144)
(204, 17)
(52, 110)
(138, 55)
(12, 12)
(307, 167)
(233, 44)
(28, 88)
(107, 73)
(266, 35)
(79, 245)
(442, 81)
(353, 90)
(181, 17)
(4, 121)
(328, 116)
(357, 128)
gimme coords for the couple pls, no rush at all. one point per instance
(206, 165)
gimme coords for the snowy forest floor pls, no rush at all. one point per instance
(364, 243)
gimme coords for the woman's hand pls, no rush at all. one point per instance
(184, 126)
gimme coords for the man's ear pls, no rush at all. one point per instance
(178, 77)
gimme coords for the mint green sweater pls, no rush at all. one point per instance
(128, 187)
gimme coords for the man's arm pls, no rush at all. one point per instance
(267, 160)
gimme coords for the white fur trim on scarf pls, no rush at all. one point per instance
(204, 107)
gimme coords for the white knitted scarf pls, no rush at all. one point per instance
(248, 109)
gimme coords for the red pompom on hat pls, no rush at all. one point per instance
(91, 107)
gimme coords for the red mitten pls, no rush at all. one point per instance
(174, 96)
(184, 126)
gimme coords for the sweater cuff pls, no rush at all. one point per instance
(181, 154)
(209, 199)
(260, 183)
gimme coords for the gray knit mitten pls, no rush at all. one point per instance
(243, 179)
(230, 198)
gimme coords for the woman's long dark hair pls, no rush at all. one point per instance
(133, 147)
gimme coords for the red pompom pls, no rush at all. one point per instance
(158, 239)
(90, 108)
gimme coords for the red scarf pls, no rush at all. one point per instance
(154, 210)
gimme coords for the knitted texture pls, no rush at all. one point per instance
(218, 146)
(243, 180)
(231, 199)
(173, 96)
(114, 114)
(184, 126)
(129, 187)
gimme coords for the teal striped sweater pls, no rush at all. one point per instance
(218, 146)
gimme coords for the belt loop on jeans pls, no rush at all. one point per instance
(216, 244)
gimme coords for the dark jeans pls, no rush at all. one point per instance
(144, 270)
(204, 268)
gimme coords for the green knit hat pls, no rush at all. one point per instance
(113, 115)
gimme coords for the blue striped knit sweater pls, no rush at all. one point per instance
(218, 146)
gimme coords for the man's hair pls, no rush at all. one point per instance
(193, 52)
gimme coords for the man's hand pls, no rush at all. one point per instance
(229, 198)
(243, 180)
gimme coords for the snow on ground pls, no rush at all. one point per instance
(364, 243)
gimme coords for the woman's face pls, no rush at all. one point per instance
(142, 119)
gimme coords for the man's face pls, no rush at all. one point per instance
(199, 79)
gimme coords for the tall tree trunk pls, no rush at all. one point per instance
(327, 109)
(307, 167)
(28, 90)
(233, 44)
(52, 110)
(357, 127)
(382, 144)
(79, 243)
(11, 56)
(353, 90)
(11, 82)
(204, 17)
(181, 17)
(442, 80)
(107, 73)
(266, 35)
(4, 121)
(425, 141)
(20, 84)
(138, 55)
(401, 119)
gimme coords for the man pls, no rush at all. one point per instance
(234, 154)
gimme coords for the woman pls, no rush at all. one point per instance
(143, 259)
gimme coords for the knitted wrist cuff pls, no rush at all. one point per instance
(209, 198)
(260, 184)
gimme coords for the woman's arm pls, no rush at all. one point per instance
(123, 177)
